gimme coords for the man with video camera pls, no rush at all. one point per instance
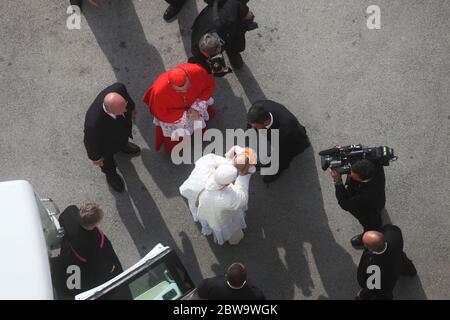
(221, 27)
(363, 195)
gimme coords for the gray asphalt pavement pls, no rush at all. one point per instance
(346, 83)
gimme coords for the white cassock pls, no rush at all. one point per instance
(221, 210)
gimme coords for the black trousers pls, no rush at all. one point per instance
(370, 221)
(109, 164)
(176, 2)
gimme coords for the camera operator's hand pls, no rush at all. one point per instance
(335, 175)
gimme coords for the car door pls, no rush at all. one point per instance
(53, 232)
(160, 275)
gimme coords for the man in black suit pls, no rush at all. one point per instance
(233, 286)
(173, 9)
(107, 128)
(270, 115)
(230, 22)
(383, 249)
(363, 195)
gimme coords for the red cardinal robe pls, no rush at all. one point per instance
(167, 105)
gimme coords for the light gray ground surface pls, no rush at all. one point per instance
(346, 83)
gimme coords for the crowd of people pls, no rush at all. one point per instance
(217, 190)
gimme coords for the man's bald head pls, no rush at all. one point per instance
(374, 241)
(115, 103)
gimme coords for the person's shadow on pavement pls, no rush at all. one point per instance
(288, 242)
(136, 63)
(406, 288)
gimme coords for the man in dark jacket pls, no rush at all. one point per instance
(86, 246)
(233, 286)
(231, 21)
(293, 140)
(107, 129)
(363, 195)
(382, 262)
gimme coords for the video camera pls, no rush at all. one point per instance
(341, 158)
(218, 64)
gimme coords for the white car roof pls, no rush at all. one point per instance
(24, 266)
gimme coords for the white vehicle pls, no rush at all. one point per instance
(30, 237)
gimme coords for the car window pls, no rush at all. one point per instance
(165, 279)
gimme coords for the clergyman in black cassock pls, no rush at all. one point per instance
(293, 140)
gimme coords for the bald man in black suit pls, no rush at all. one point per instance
(383, 249)
(107, 129)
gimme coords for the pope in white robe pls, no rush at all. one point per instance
(217, 193)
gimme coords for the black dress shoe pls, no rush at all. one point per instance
(236, 61)
(171, 12)
(357, 242)
(76, 3)
(116, 182)
(131, 148)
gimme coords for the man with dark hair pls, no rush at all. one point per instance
(236, 275)
(230, 23)
(382, 262)
(233, 286)
(293, 140)
(363, 195)
(173, 9)
(364, 169)
(107, 129)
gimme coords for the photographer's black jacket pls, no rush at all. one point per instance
(102, 134)
(389, 262)
(230, 27)
(364, 200)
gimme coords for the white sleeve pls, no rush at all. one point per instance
(235, 150)
(230, 153)
(238, 150)
(240, 189)
(210, 161)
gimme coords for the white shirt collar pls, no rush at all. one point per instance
(237, 288)
(109, 113)
(271, 121)
(384, 250)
